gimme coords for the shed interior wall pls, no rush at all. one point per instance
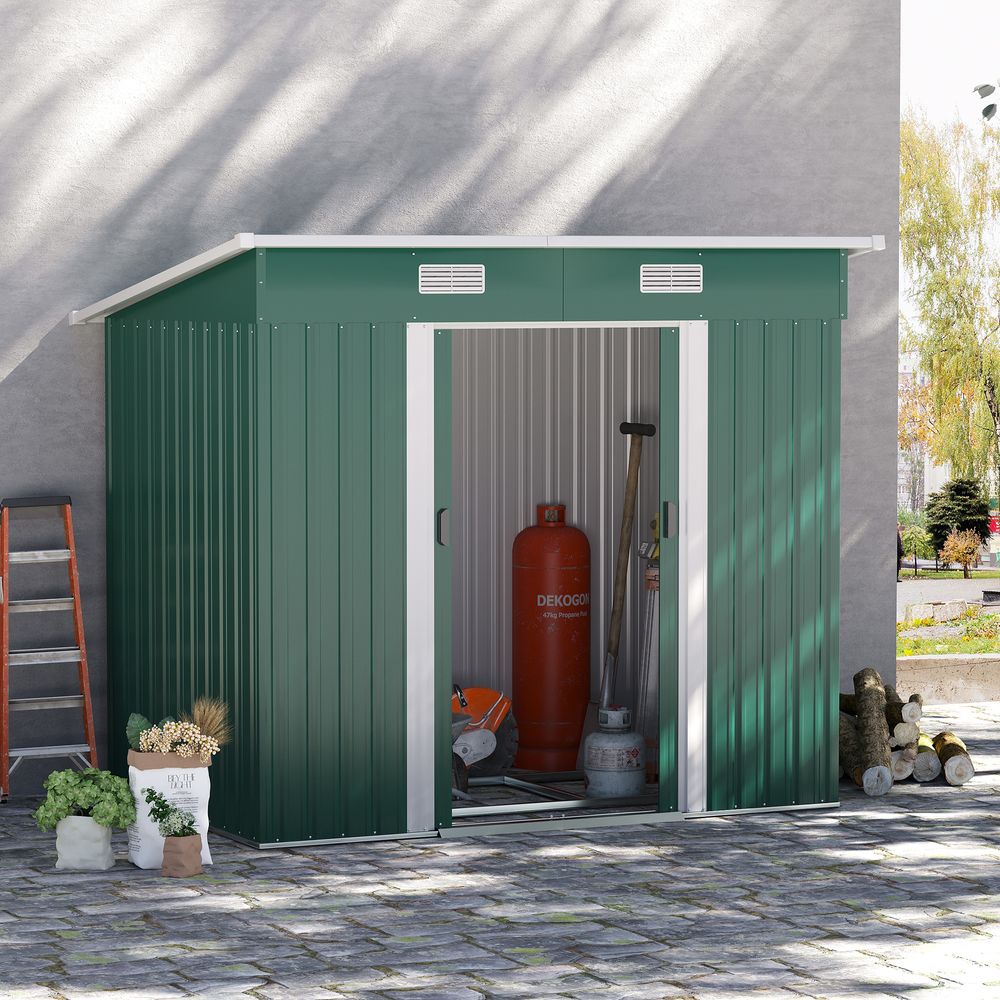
(535, 417)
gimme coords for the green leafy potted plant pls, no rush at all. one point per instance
(181, 841)
(82, 807)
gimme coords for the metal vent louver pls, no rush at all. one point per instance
(670, 278)
(452, 279)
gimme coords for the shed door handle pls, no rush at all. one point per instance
(669, 519)
(443, 526)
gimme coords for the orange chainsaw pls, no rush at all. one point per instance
(483, 734)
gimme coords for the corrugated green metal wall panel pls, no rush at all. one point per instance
(179, 467)
(332, 602)
(773, 547)
(388, 558)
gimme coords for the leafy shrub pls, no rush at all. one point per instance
(99, 794)
(963, 548)
(169, 820)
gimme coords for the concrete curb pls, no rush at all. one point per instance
(950, 677)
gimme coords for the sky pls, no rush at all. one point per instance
(946, 49)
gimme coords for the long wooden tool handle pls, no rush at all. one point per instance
(624, 544)
(636, 433)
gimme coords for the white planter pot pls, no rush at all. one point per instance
(83, 844)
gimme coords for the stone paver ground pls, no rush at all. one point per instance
(896, 897)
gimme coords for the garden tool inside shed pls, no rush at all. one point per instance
(483, 734)
(614, 756)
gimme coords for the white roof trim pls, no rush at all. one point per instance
(97, 312)
(241, 242)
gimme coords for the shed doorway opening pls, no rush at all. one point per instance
(537, 487)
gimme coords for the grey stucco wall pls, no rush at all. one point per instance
(136, 135)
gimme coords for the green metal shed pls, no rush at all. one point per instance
(279, 427)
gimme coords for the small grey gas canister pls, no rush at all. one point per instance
(614, 757)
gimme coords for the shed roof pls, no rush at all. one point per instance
(241, 242)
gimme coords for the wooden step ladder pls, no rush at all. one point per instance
(80, 754)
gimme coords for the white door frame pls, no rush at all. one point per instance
(692, 579)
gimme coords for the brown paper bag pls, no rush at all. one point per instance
(181, 857)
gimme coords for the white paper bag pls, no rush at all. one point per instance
(184, 783)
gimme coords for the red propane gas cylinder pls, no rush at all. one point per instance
(551, 640)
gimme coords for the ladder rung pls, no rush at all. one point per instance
(66, 751)
(40, 555)
(42, 604)
(46, 501)
(61, 701)
(22, 656)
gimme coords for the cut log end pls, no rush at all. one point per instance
(958, 770)
(906, 733)
(902, 767)
(876, 780)
(927, 766)
(911, 711)
(954, 757)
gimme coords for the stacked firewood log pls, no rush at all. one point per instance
(881, 741)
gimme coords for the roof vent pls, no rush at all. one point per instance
(670, 278)
(452, 279)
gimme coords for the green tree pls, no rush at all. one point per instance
(960, 505)
(917, 543)
(949, 228)
(907, 517)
